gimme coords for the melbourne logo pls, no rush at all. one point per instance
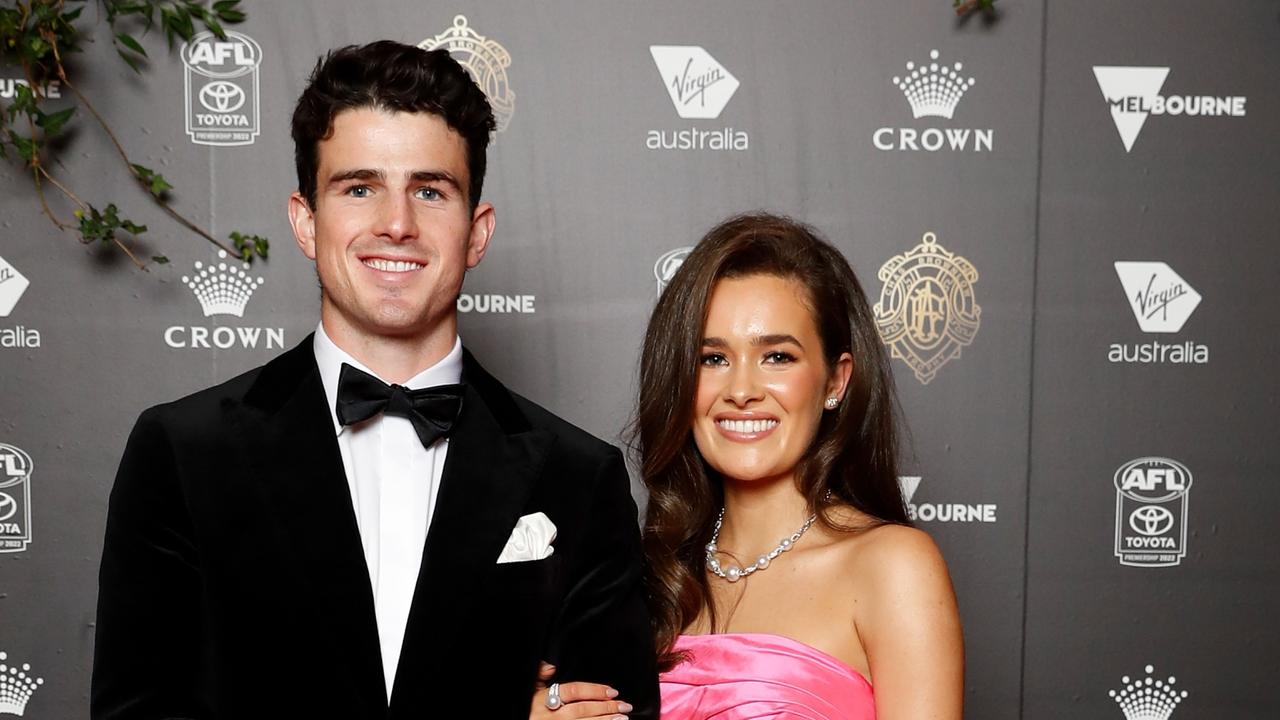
(221, 81)
(223, 289)
(942, 512)
(15, 499)
(927, 310)
(1133, 93)
(933, 90)
(700, 88)
(1151, 512)
(17, 685)
(12, 285)
(485, 60)
(1162, 302)
(667, 266)
(1148, 698)
(491, 303)
(9, 88)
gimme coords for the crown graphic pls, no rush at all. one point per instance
(1148, 699)
(933, 89)
(16, 687)
(222, 289)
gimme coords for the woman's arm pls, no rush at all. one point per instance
(910, 627)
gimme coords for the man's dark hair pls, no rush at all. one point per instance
(388, 75)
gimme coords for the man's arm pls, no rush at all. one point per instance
(604, 634)
(147, 643)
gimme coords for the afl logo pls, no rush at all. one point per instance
(221, 81)
(1151, 512)
(234, 57)
(15, 499)
(927, 310)
(668, 264)
(485, 60)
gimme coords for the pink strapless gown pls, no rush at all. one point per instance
(749, 676)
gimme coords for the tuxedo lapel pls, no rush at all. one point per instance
(294, 450)
(493, 463)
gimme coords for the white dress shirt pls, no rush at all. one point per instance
(393, 481)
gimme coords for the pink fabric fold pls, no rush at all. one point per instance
(756, 676)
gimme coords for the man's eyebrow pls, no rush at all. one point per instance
(422, 176)
(356, 174)
(435, 176)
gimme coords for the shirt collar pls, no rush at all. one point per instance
(330, 357)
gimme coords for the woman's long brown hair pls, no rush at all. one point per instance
(853, 455)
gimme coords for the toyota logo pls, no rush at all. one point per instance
(222, 96)
(8, 506)
(1151, 520)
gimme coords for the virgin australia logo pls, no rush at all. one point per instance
(1133, 93)
(1162, 302)
(12, 285)
(700, 88)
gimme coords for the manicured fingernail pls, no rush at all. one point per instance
(611, 693)
(619, 717)
(624, 707)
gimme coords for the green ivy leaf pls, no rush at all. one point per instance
(126, 40)
(26, 147)
(226, 9)
(247, 246)
(155, 183)
(52, 124)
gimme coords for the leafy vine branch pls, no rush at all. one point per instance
(38, 34)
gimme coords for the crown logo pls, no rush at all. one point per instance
(933, 89)
(222, 289)
(484, 59)
(1148, 699)
(16, 687)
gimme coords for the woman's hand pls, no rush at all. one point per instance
(577, 700)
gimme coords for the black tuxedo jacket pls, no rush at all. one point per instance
(233, 581)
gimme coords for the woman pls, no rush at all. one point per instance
(784, 578)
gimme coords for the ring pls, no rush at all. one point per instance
(553, 697)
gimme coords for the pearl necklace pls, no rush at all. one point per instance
(735, 573)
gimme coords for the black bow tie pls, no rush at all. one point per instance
(431, 410)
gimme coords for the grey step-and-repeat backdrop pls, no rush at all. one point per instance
(1065, 218)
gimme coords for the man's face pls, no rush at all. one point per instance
(392, 232)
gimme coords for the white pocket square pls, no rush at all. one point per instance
(530, 540)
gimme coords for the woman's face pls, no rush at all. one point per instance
(762, 378)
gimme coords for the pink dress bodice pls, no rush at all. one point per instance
(750, 676)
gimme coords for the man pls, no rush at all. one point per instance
(324, 537)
